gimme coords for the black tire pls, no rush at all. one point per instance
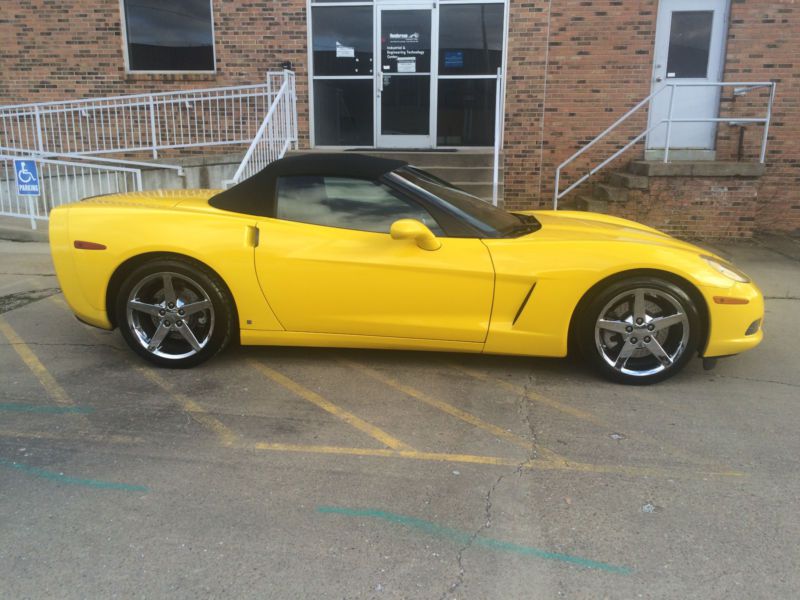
(612, 340)
(190, 323)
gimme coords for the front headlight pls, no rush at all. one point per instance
(726, 269)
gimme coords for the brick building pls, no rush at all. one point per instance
(377, 74)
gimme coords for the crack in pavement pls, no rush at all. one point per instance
(17, 300)
(758, 380)
(524, 408)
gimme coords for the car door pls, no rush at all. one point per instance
(327, 264)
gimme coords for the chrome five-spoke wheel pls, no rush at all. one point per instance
(174, 312)
(641, 330)
(170, 315)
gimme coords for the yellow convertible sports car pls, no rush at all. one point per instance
(354, 251)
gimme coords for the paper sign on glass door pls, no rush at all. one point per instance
(345, 51)
(407, 64)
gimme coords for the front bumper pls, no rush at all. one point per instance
(731, 328)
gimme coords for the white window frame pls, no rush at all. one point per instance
(437, 77)
(129, 71)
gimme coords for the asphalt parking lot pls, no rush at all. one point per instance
(297, 473)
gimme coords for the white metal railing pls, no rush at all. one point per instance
(59, 182)
(276, 135)
(69, 141)
(740, 88)
(139, 122)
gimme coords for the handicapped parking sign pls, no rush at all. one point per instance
(27, 177)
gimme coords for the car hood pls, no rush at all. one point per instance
(567, 225)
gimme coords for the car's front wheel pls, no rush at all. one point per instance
(174, 313)
(640, 330)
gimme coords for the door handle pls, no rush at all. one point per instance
(251, 236)
(659, 79)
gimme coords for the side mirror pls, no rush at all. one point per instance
(411, 229)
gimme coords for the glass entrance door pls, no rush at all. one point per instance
(404, 76)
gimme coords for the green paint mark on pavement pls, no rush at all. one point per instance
(464, 537)
(37, 408)
(61, 478)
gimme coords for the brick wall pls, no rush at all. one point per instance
(577, 65)
(60, 49)
(574, 67)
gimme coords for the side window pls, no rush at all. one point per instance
(346, 203)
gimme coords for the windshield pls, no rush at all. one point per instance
(483, 216)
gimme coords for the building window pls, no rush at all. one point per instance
(343, 112)
(342, 47)
(169, 35)
(470, 39)
(466, 112)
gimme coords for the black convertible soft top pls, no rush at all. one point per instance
(256, 195)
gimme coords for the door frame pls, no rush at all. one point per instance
(406, 141)
(657, 75)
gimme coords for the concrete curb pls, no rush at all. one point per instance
(13, 233)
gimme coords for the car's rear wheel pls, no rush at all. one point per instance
(639, 331)
(174, 312)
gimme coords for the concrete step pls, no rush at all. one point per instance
(591, 204)
(609, 193)
(464, 174)
(629, 180)
(425, 160)
(696, 168)
(481, 190)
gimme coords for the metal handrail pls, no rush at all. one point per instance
(278, 131)
(139, 122)
(61, 182)
(740, 89)
(44, 105)
(498, 134)
(98, 159)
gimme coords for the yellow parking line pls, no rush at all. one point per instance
(452, 410)
(198, 413)
(578, 413)
(226, 435)
(327, 405)
(536, 464)
(56, 392)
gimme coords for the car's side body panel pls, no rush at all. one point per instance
(342, 340)
(571, 254)
(341, 281)
(130, 227)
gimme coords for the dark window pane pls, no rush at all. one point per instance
(466, 112)
(689, 41)
(343, 112)
(470, 39)
(169, 35)
(405, 105)
(346, 203)
(342, 43)
(406, 41)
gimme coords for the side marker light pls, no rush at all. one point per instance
(82, 245)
